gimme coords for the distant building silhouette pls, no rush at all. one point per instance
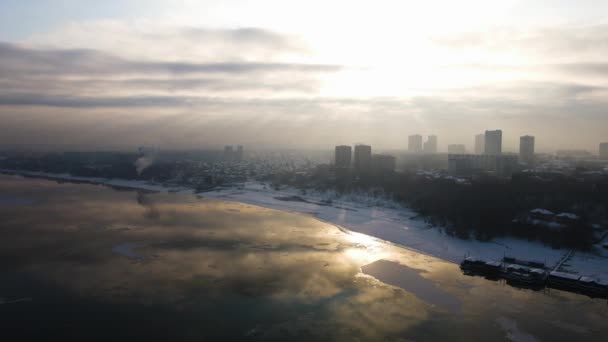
(430, 146)
(456, 149)
(493, 142)
(526, 149)
(480, 144)
(363, 158)
(383, 163)
(415, 143)
(228, 153)
(467, 164)
(239, 153)
(343, 156)
(604, 151)
(573, 154)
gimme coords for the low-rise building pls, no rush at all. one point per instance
(457, 149)
(383, 162)
(462, 164)
(604, 151)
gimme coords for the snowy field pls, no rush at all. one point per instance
(382, 219)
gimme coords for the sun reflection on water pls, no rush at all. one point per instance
(366, 250)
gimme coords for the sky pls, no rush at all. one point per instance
(308, 74)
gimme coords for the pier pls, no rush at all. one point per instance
(535, 275)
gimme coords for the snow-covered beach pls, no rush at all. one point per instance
(382, 219)
(390, 222)
(394, 223)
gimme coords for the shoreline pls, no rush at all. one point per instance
(378, 218)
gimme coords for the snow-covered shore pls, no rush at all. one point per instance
(381, 219)
(390, 222)
(394, 223)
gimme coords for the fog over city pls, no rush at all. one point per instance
(308, 75)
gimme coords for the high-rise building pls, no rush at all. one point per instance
(456, 149)
(467, 164)
(526, 149)
(239, 153)
(343, 156)
(604, 151)
(363, 158)
(415, 143)
(228, 153)
(480, 143)
(430, 146)
(493, 142)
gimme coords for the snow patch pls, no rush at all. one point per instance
(541, 211)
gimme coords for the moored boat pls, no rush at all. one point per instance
(592, 287)
(523, 276)
(564, 281)
(471, 265)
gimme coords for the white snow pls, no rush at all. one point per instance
(593, 264)
(547, 224)
(537, 271)
(541, 211)
(565, 275)
(570, 216)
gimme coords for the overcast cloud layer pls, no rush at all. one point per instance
(119, 82)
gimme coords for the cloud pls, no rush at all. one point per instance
(584, 69)
(70, 73)
(33, 99)
(555, 44)
(89, 62)
(95, 84)
(110, 60)
(144, 39)
(242, 37)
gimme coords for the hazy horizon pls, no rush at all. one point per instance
(190, 74)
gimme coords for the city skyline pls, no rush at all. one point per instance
(493, 139)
